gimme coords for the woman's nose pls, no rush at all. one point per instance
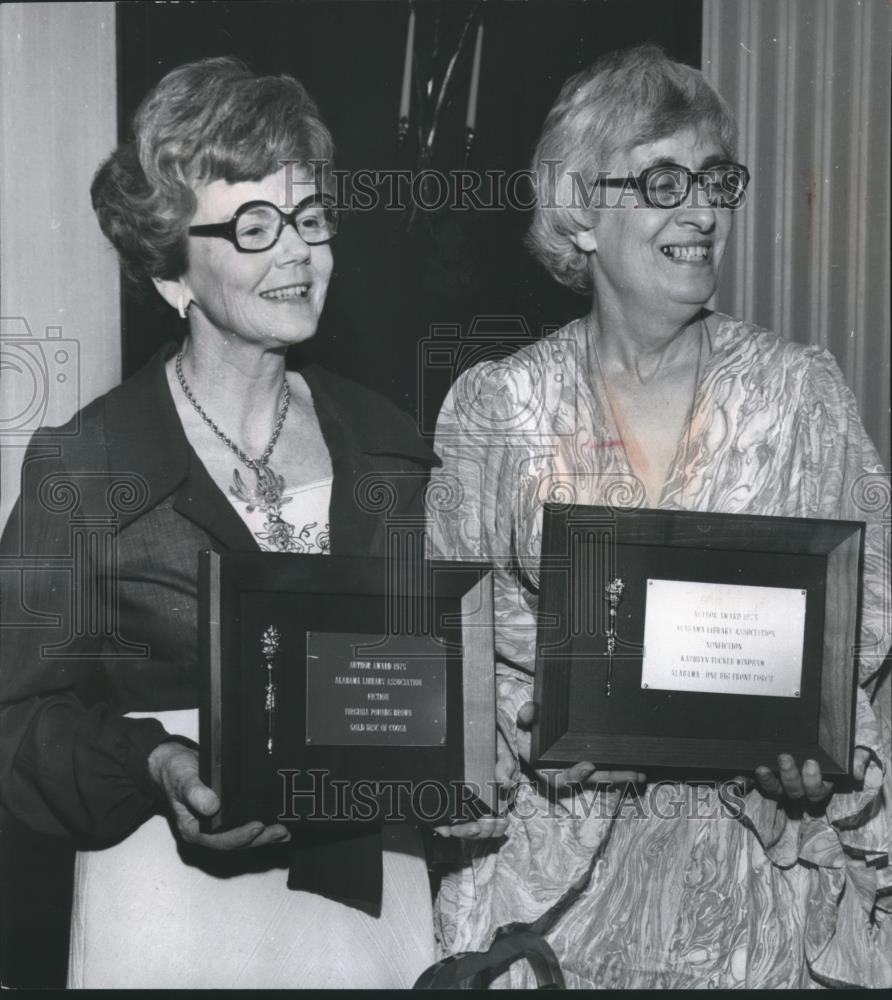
(291, 246)
(697, 213)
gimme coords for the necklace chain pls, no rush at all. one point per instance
(254, 464)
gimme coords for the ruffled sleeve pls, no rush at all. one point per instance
(857, 488)
(837, 474)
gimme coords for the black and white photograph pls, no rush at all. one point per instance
(445, 508)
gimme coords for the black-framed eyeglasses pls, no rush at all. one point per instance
(257, 225)
(667, 185)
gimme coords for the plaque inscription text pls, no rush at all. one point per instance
(723, 638)
(360, 693)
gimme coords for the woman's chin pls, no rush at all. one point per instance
(694, 294)
(271, 338)
(288, 327)
(298, 335)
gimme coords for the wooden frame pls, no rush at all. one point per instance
(690, 732)
(274, 749)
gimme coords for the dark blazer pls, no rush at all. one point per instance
(99, 599)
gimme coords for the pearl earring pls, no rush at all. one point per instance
(182, 305)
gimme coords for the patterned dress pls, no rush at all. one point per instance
(682, 893)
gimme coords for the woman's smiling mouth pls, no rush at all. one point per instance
(686, 253)
(286, 292)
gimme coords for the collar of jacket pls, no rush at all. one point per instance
(144, 435)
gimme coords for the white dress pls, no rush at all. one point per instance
(144, 918)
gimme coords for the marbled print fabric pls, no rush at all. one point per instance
(684, 893)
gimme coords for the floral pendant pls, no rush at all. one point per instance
(268, 497)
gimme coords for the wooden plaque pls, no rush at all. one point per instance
(733, 640)
(357, 690)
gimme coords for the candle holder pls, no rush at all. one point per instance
(429, 80)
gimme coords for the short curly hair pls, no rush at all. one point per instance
(624, 99)
(208, 120)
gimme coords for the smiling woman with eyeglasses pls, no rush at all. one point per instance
(651, 399)
(220, 447)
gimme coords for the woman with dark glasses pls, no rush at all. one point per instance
(651, 399)
(214, 445)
